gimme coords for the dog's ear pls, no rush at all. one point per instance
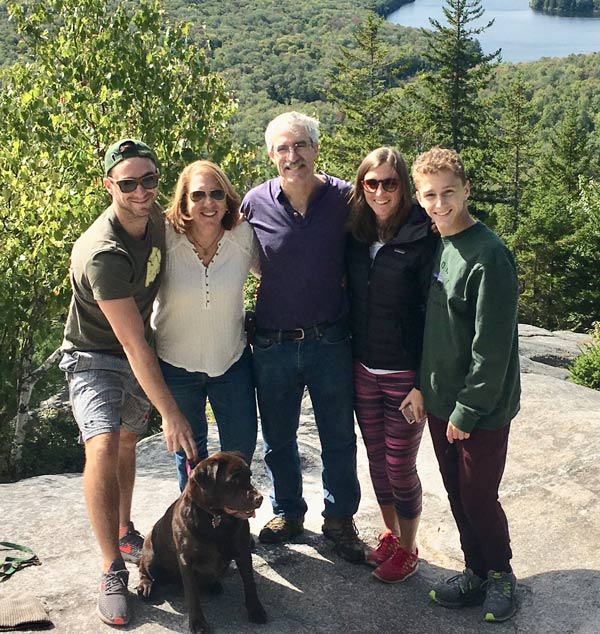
(205, 489)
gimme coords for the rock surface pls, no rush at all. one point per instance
(550, 492)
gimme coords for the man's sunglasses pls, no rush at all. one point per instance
(215, 194)
(372, 184)
(128, 185)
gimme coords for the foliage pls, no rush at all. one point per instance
(513, 156)
(360, 91)
(586, 367)
(96, 75)
(567, 7)
(459, 73)
(557, 247)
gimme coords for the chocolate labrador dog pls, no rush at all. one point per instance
(201, 533)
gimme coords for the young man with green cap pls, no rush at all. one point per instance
(112, 371)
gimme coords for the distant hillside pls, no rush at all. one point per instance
(276, 56)
(271, 54)
(567, 8)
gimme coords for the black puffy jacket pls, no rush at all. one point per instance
(388, 295)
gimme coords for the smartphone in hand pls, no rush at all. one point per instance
(410, 417)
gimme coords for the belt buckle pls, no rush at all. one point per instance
(301, 331)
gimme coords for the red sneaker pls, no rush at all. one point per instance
(388, 545)
(400, 566)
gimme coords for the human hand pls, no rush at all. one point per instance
(413, 407)
(454, 433)
(178, 435)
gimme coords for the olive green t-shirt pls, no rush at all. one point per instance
(107, 263)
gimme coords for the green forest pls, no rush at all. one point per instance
(583, 8)
(201, 79)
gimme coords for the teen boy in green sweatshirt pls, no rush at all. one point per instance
(470, 381)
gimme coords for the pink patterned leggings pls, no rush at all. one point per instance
(392, 444)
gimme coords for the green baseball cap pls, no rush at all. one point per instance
(124, 149)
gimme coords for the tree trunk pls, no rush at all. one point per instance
(20, 422)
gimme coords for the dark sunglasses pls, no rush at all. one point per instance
(372, 184)
(215, 194)
(128, 185)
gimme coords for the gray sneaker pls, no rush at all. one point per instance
(112, 600)
(460, 590)
(131, 544)
(343, 532)
(500, 604)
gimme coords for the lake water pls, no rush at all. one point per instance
(522, 34)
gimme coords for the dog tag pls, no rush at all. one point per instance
(216, 521)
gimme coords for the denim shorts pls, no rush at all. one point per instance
(104, 394)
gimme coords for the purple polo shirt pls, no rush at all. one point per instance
(301, 257)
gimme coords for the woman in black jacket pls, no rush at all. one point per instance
(390, 252)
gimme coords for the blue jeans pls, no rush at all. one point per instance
(324, 365)
(233, 402)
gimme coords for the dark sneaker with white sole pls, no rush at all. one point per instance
(500, 604)
(130, 545)
(460, 590)
(112, 600)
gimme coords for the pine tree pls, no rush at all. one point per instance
(514, 155)
(459, 73)
(361, 91)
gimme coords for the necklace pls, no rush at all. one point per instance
(200, 249)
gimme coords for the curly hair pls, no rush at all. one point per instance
(436, 160)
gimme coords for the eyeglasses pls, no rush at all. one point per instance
(215, 194)
(128, 185)
(299, 147)
(371, 185)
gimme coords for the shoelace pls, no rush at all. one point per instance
(463, 582)
(405, 559)
(349, 532)
(114, 583)
(387, 543)
(498, 587)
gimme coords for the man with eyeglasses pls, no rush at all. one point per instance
(302, 337)
(111, 369)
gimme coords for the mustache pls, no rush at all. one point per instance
(298, 163)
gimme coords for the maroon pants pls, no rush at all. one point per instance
(472, 470)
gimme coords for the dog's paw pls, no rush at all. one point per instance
(144, 589)
(257, 614)
(215, 588)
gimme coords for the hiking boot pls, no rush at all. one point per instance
(131, 544)
(388, 545)
(499, 604)
(280, 529)
(400, 566)
(460, 590)
(112, 600)
(342, 531)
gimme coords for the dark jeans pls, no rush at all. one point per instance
(324, 365)
(472, 470)
(233, 401)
